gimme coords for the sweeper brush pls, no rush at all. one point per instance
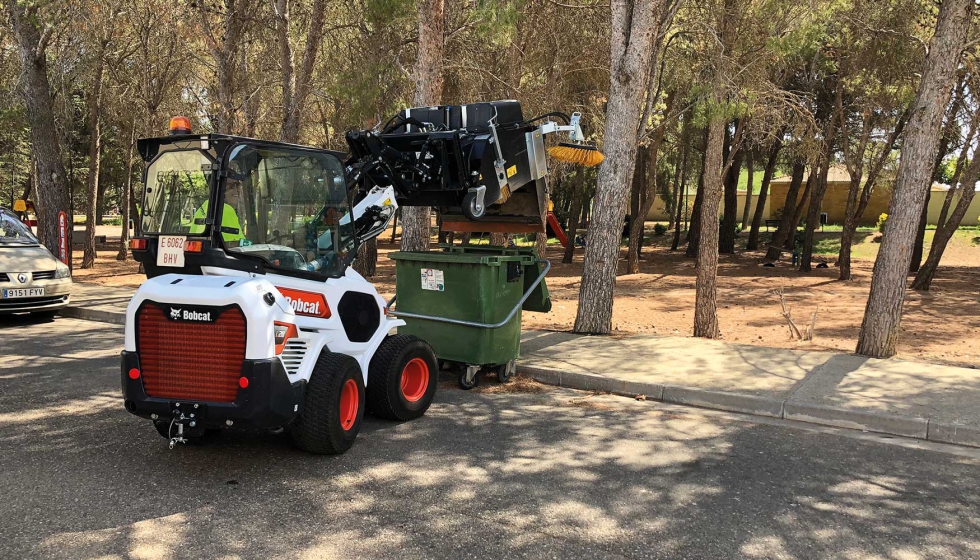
(579, 154)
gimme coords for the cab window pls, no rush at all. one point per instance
(289, 208)
(177, 191)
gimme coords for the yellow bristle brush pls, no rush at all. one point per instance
(580, 154)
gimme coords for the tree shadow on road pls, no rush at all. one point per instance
(558, 473)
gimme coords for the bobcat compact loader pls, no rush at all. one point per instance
(252, 317)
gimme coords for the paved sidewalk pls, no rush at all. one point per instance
(912, 399)
(99, 303)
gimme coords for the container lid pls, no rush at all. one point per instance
(465, 256)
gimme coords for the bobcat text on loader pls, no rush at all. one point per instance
(252, 318)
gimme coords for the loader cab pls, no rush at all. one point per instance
(244, 204)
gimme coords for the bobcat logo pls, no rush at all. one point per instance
(174, 313)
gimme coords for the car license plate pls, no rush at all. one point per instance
(170, 250)
(23, 293)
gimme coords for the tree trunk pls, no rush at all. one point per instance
(851, 221)
(750, 164)
(632, 43)
(951, 128)
(636, 208)
(920, 233)
(134, 211)
(694, 231)
(94, 159)
(947, 204)
(224, 47)
(296, 85)
(672, 222)
(819, 190)
(726, 242)
(394, 224)
(51, 185)
(813, 211)
(680, 199)
(786, 220)
(850, 228)
(127, 189)
(573, 220)
(926, 273)
(883, 313)
(366, 263)
(428, 91)
(541, 241)
(960, 164)
(794, 223)
(694, 228)
(760, 205)
(706, 290)
(499, 239)
(100, 201)
(706, 294)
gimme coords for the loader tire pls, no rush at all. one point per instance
(402, 378)
(334, 406)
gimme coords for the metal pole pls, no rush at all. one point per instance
(527, 294)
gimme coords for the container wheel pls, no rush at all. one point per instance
(402, 378)
(505, 372)
(334, 406)
(472, 209)
(469, 377)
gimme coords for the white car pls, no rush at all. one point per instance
(31, 278)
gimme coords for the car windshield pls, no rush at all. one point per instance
(177, 191)
(289, 208)
(14, 232)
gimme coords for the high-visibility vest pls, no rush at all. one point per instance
(229, 220)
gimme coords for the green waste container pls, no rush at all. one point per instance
(437, 290)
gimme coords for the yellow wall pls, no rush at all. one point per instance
(936, 205)
(834, 204)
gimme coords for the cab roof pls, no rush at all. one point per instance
(148, 148)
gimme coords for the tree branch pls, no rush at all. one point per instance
(42, 43)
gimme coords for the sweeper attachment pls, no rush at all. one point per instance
(483, 165)
(252, 318)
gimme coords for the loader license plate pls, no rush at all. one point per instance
(14, 293)
(170, 250)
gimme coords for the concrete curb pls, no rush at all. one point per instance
(916, 428)
(592, 382)
(856, 419)
(720, 400)
(957, 434)
(87, 314)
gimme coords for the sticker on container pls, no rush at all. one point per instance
(433, 279)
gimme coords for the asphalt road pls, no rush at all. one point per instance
(484, 475)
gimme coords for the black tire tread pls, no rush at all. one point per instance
(311, 431)
(385, 359)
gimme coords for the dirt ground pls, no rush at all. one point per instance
(942, 325)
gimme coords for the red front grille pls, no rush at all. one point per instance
(190, 360)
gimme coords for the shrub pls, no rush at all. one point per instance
(882, 220)
(659, 229)
(721, 226)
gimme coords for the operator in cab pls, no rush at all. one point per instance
(231, 226)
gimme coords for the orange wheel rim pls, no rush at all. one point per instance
(349, 401)
(415, 379)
